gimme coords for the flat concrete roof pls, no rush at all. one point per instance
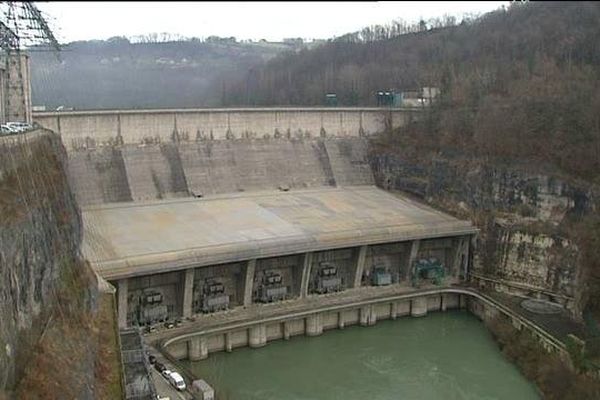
(132, 239)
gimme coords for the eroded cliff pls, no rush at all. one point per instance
(48, 294)
(534, 236)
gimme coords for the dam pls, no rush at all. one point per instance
(267, 228)
(171, 217)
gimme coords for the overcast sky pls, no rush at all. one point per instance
(249, 20)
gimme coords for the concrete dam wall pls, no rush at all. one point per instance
(170, 170)
(87, 129)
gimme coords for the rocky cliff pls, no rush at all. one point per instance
(528, 215)
(46, 291)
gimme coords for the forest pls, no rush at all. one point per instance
(150, 71)
(522, 81)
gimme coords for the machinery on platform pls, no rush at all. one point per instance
(271, 288)
(327, 279)
(430, 269)
(152, 309)
(214, 297)
(381, 276)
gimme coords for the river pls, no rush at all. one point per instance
(445, 356)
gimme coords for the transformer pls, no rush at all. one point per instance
(327, 279)
(428, 269)
(151, 309)
(271, 288)
(214, 297)
(381, 276)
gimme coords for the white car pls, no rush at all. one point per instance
(166, 373)
(6, 130)
(19, 126)
(177, 381)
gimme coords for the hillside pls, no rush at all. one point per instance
(119, 74)
(523, 42)
(521, 81)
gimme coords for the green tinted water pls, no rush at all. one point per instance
(442, 356)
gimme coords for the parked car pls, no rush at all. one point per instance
(150, 329)
(169, 325)
(19, 127)
(160, 367)
(177, 381)
(166, 373)
(151, 359)
(5, 130)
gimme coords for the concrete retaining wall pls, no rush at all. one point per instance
(158, 171)
(95, 128)
(314, 324)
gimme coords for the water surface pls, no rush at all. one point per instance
(442, 356)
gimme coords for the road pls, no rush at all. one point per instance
(163, 388)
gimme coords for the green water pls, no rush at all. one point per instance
(442, 356)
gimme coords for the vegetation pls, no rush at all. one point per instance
(59, 362)
(587, 234)
(553, 377)
(518, 82)
(153, 71)
(65, 352)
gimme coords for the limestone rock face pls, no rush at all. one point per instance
(520, 209)
(39, 240)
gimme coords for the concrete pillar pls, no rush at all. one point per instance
(306, 274)
(363, 319)
(418, 306)
(393, 310)
(341, 322)
(443, 302)
(249, 282)
(188, 292)
(314, 325)
(197, 348)
(412, 258)
(257, 335)
(122, 292)
(228, 344)
(372, 315)
(458, 252)
(286, 330)
(367, 316)
(360, 265)
(470, 245)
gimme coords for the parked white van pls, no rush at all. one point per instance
(177, 381)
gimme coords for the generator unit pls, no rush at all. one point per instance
(152, 309)
(214, 297)
(271, 288)
(327, 279)
(429, 269)
(381, 276)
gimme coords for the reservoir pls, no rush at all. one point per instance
(446, 356)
